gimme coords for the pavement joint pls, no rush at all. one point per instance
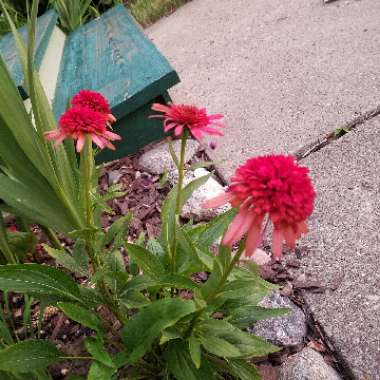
(327, 139)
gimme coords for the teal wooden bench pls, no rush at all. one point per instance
(110, 55)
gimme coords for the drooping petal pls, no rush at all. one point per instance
(160, 107)
(277, 241)
(197, 133)
(238, 227)
(178, 130)
(218, 201)
(80, 143)
(169, 126)
(111, 118)
(253, 239)
(99, 141)
(111, 136)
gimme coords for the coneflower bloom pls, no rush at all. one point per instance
(177, 117)
(79, 122)
(273, 186)
(94, 100)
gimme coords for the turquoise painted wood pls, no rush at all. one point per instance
(8, 49)
(113, 56)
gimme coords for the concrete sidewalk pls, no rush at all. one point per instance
(343, 247)
(284, 72)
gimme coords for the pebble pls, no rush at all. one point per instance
(287, 330)
(158, 160)
(193, 209)
(307, 365)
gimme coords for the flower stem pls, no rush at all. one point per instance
(87, 167)
(211, 297)
(181, 170)
(181, 175)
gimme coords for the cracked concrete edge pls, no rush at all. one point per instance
(330, 137)
(341, 364)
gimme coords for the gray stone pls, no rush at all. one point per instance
(342, 248)
(158, 159)
(194, 206)
(288, 330)
(282, 72)
(307, 365)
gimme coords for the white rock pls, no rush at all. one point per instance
(260, 257)
(287, 330)
(159, 160)
(194, 206)
(307, 365)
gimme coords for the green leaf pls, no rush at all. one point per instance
(170, 334)
(181, 365)
(148, 324)
(225, 340)
(81, 315)
(28, 356)
(99, 371)
(80, 256)
(149, 263)
(207, 234)
(195, 351)
(189, 189)
(35, 279)
(202, 164)
(66, 260)
(96, 348)
(243, 370)
(118, 231)
(246, 316)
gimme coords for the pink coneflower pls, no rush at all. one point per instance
(270, 185)
(94, 100)
(79, 122)
(196, 120)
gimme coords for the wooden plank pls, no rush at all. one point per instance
(9, 53)
(137, 130)
(112, 55)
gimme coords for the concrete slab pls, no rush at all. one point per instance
(282, 71)
(344, 244)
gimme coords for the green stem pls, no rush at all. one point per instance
(181, 170)
(87, 167)
(211, 297)
(87, 163)
(181, 175)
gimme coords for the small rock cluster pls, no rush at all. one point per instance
(159, 161)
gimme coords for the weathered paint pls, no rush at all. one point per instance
(9, 53)
(113, 56)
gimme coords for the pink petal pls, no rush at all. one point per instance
(197, 134)
(160, 108)
(80, 143)
(216, 116)
(212, 131)
(218, 201)
(99, 141)
(111, 118)
(169, 126)
(178, 130)
(111, 136)
(238, 227)
(253, 238)
(277, 244)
